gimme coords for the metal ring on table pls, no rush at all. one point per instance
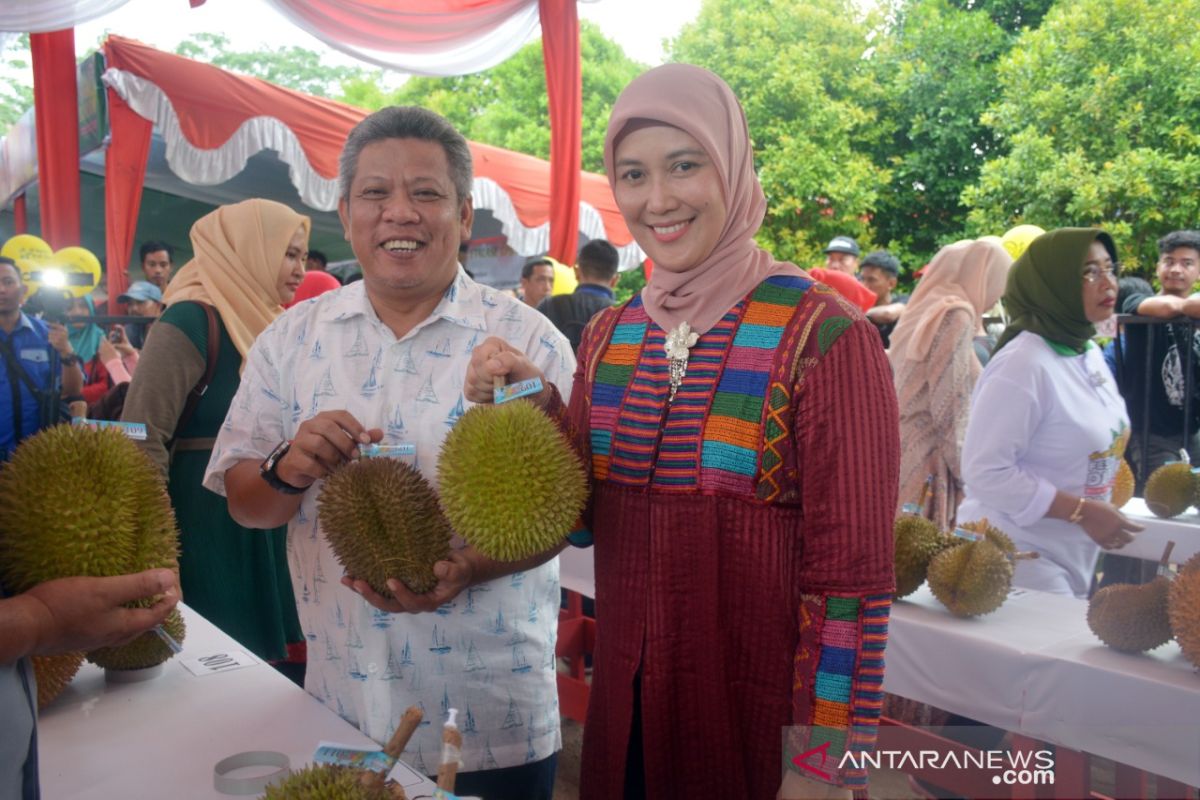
(255, 785)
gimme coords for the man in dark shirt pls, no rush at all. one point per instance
(597, 273)
(879, 272)
(1178, 270)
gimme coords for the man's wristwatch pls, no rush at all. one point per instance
(74, 358)
(269, 465)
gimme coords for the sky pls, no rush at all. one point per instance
(639, 26)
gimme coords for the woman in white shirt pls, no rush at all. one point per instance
(1048, 428)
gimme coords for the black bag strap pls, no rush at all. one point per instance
(210, 368)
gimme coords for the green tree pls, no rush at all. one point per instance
(292, 67)
(16, 88)
(800, 72)
(1011, 15)
(938, 63)
(506, 106)
(1100, 111)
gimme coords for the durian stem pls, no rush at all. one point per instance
(1166, 556)
(404, 731)
(1025, 555)
(925, 490)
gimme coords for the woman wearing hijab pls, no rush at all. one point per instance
(1048, 428)
(933, 358)
(739, 424)
(249, 261)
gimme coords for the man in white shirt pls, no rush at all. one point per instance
(385, 359)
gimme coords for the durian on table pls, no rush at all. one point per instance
(510, 483)
(1133, 618)
(76, 501)
(1170, 489)
(973, 578)
(1183, 609)
(917, 541)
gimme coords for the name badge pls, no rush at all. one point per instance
(35, 354)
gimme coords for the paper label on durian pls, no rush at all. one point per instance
(970, 536)
(519, 389)
(134, 430)
(337, 755)
(402, 450)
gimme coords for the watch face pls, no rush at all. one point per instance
(271, 460)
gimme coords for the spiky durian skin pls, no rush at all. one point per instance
(1122, 491)
(917, 541)
(147, 650)
(510, 483)
(382, 520)
(74, 501)
(53, 673)
(325, 782)
(993, 534)
(1130, 618)
(1183, 608)
(971, 579)
(1170, 489)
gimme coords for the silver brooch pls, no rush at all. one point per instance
(1097, 379)
(679, 344)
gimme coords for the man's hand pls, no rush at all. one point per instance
(89, 613)
(321, 445)
(60, 340)
(454, 574)
(494, 358)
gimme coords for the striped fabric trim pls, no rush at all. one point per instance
(733, 432)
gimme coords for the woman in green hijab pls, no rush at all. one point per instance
(1048, 428)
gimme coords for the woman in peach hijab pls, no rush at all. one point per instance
(738, 422)
(248, 262)
(933, 358)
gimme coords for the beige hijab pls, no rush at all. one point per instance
(239, 251)
(701, 104)
(970, 274)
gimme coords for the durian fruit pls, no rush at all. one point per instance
(1183, 607)
(146, 651)
(1170, 489)
(510, 483)
(382, 520)
(1122, 491)
(328, 782)
(917, 541)
(1131, 618)
(972, 578)
(77, 501)
(53, 673)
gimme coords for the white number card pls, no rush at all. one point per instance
(215, 663)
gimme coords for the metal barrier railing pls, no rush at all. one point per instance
(1127, 383)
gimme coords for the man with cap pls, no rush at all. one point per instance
(142, 299)
(841, 255)
(879, 272)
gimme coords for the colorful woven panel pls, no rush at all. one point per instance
(733, 433)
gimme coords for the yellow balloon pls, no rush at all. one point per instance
(28, 251)
(82, 269)
(564, 278)
(1017, 240)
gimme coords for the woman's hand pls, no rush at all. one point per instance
(120, 341)
(107, 351)
(1106, 525)
(60, 340)
(497, 358)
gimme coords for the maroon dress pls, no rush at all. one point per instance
(743, 542)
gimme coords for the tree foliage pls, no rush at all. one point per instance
(938, 66)
(16, 92)
(1100, 112)
(292, 67)
(506, 106)
(809, 95)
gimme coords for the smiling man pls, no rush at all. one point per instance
(1178, 271)
(384, 359)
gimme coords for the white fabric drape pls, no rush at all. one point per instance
(40, 16)
(437, 39)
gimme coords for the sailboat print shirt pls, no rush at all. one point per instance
(489, 652)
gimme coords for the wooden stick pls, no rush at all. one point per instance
(404, 731)
(448, 769)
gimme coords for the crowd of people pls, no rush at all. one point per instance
(750, 430)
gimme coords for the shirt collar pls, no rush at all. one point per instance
(463, 303)
(1063, 350)
(24, 323)
(596, 288)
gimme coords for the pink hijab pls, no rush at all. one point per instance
(701, 104)
(970, 274)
